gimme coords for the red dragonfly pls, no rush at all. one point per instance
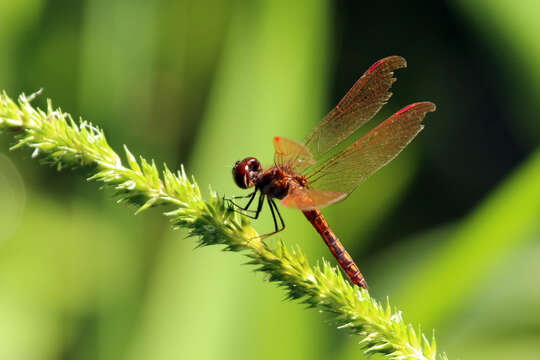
(310, 176)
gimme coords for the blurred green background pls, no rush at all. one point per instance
(449, 230)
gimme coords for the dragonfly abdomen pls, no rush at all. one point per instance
(345, 260)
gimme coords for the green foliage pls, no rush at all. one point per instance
(59, 141)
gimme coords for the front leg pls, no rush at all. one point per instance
(245, 208)
(257, 212)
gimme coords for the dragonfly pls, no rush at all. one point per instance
(311, 175)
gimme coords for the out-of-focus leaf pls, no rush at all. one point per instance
(15, 18)
(118, 51)
(55, 268)
(498, 226)
(13, 195)
(512, 33)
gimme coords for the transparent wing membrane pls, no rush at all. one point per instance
(358, 106)
(347, 169)
(309, 199)
(291, 154)
(331, 180)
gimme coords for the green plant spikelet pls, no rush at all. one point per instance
(57, 140)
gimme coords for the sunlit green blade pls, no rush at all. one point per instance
(479, 246)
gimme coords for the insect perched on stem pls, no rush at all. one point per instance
(308, 177)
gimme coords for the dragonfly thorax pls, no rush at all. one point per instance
(277, 183)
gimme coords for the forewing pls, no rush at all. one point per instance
(309, 199)
(291, 154)
(359, 105)
(345, 171)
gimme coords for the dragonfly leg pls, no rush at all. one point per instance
(257, 212)
(280, 217)
(276, 228)
(244, 208)
(243, 196)
(259, 206)
(273, 204)
(273, 210)
(250, 200)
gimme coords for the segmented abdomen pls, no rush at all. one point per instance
(345, 260)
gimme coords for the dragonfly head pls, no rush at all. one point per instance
(246, 171)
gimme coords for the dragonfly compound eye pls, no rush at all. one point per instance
(254, 165)
(244, 170)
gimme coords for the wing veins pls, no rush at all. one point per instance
(356, 163)
(359, 105)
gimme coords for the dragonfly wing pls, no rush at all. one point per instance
(358, 106)
(347, 169)
(289, 153)
(309, 199)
